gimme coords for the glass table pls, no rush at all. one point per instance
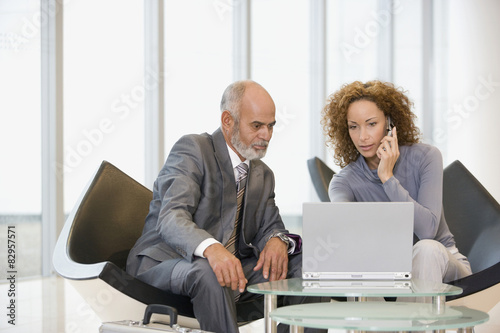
(359, 290)
(378, 316)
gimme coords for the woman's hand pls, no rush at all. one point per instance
(388, 153)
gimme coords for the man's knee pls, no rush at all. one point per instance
(201, 273)
(195, 278)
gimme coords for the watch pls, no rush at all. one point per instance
(284, 238)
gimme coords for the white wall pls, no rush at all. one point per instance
(473, 114)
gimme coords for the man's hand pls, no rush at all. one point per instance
(226, 267)
(273, 258)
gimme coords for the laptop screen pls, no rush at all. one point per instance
(357, 240)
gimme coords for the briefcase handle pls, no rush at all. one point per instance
(160, 309)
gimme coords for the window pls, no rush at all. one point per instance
(104, 91)
(408, 53)
(198, 65)
(352, 41)
(280, 62)
(20, 132)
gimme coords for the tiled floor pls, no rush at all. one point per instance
(51, 305)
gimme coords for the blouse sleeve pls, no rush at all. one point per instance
(428, 203)
(339, 191)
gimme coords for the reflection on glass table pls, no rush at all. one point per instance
(378, 316)
(360, 290)
(387, 287)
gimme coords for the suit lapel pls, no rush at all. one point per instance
(228, 213)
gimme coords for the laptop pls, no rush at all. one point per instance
(382, 287)
(357, 240)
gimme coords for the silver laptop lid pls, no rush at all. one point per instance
(357, 240)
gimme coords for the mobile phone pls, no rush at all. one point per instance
(390, 125)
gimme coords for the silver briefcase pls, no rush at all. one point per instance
(146, 326)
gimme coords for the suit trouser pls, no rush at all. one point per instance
(213, 305)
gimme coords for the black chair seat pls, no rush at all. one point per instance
(473, 217)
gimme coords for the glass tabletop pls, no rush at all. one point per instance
(351, 288)
(378, 316)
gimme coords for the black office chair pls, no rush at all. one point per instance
(92, 251)
(321, 174)
(473, 217)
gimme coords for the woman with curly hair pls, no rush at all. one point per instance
(371, 128)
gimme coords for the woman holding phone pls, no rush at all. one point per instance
(371, 128)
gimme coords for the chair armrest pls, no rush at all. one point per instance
(477, 282)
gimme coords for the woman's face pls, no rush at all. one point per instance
(367, 126)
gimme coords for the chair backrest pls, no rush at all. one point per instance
(109, 219)
(321, 174)
(473, 217)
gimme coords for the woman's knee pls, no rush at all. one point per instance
(430, 254)
(428, 247)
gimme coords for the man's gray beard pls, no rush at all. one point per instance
(247, 151)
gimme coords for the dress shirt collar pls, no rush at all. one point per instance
(235, 160)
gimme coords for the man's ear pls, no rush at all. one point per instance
(227, 121)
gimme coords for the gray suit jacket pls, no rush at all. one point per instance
(194, 198)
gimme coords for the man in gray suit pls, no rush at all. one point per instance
(199, 239)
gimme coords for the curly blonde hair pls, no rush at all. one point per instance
(389, 99)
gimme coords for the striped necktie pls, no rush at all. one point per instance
(231, 244)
